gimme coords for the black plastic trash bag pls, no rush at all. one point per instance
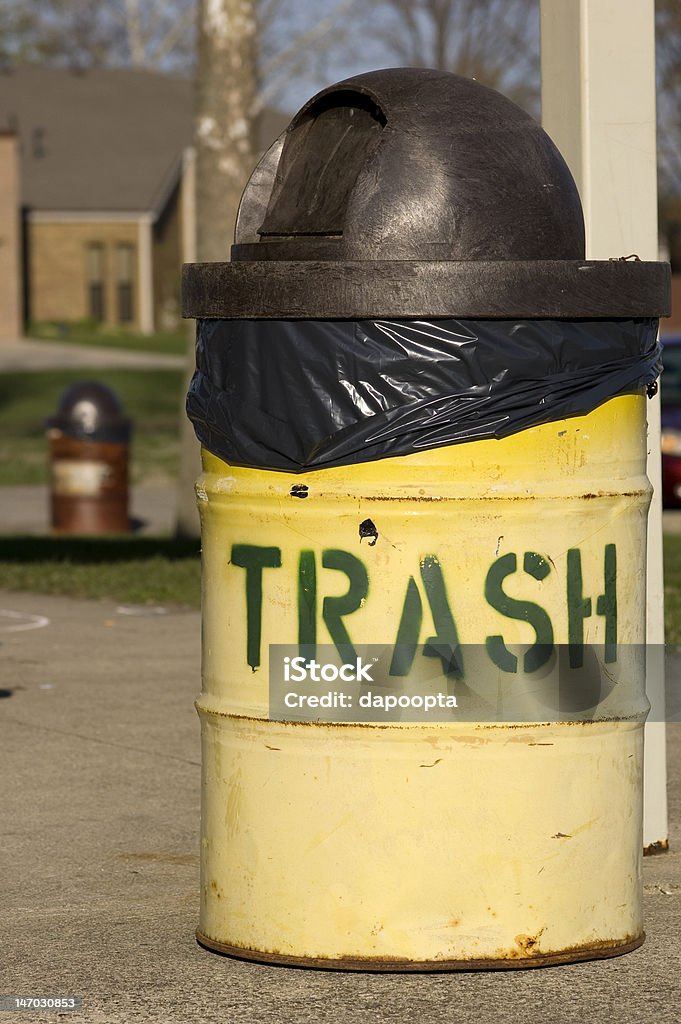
(296, 395)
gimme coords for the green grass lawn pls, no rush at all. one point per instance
(130, 570)
(165, 342)
(153, 398)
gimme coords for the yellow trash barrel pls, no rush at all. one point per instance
(401, 843)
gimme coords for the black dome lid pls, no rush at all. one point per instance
(410, 193)
(91, 411)
(411, 163)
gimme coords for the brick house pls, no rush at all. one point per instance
(10, 239)
(106, 192)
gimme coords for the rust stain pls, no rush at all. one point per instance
(512, 959)
(654, 848)
(417, 728)
(590, 496)
(567, 722)
(407, 498)
(526, 943)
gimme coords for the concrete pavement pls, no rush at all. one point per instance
(30, 354)
(99, 757)
(26, 509)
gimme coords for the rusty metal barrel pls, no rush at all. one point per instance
(89, 439)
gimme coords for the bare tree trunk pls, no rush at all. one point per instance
(226, 87)
(134, 32)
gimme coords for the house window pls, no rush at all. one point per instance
(95, 281)
(125, 270)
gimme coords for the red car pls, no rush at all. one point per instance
(670, 392)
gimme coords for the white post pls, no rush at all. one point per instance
(145, 256)
(598, 106)
(187, 517)
(188, 205)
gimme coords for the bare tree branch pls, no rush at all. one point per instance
(668, 33)
(181, 30)
(294, 58)
(491, 40)
(134, 32)
(226, 87)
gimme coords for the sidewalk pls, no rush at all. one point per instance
(26, 509)
(99, 753)
(30, 354)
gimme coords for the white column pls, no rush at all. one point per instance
(188, 205)
(598, 106)
(187, 518)
(145, 257)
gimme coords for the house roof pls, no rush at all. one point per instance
(102, 139)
